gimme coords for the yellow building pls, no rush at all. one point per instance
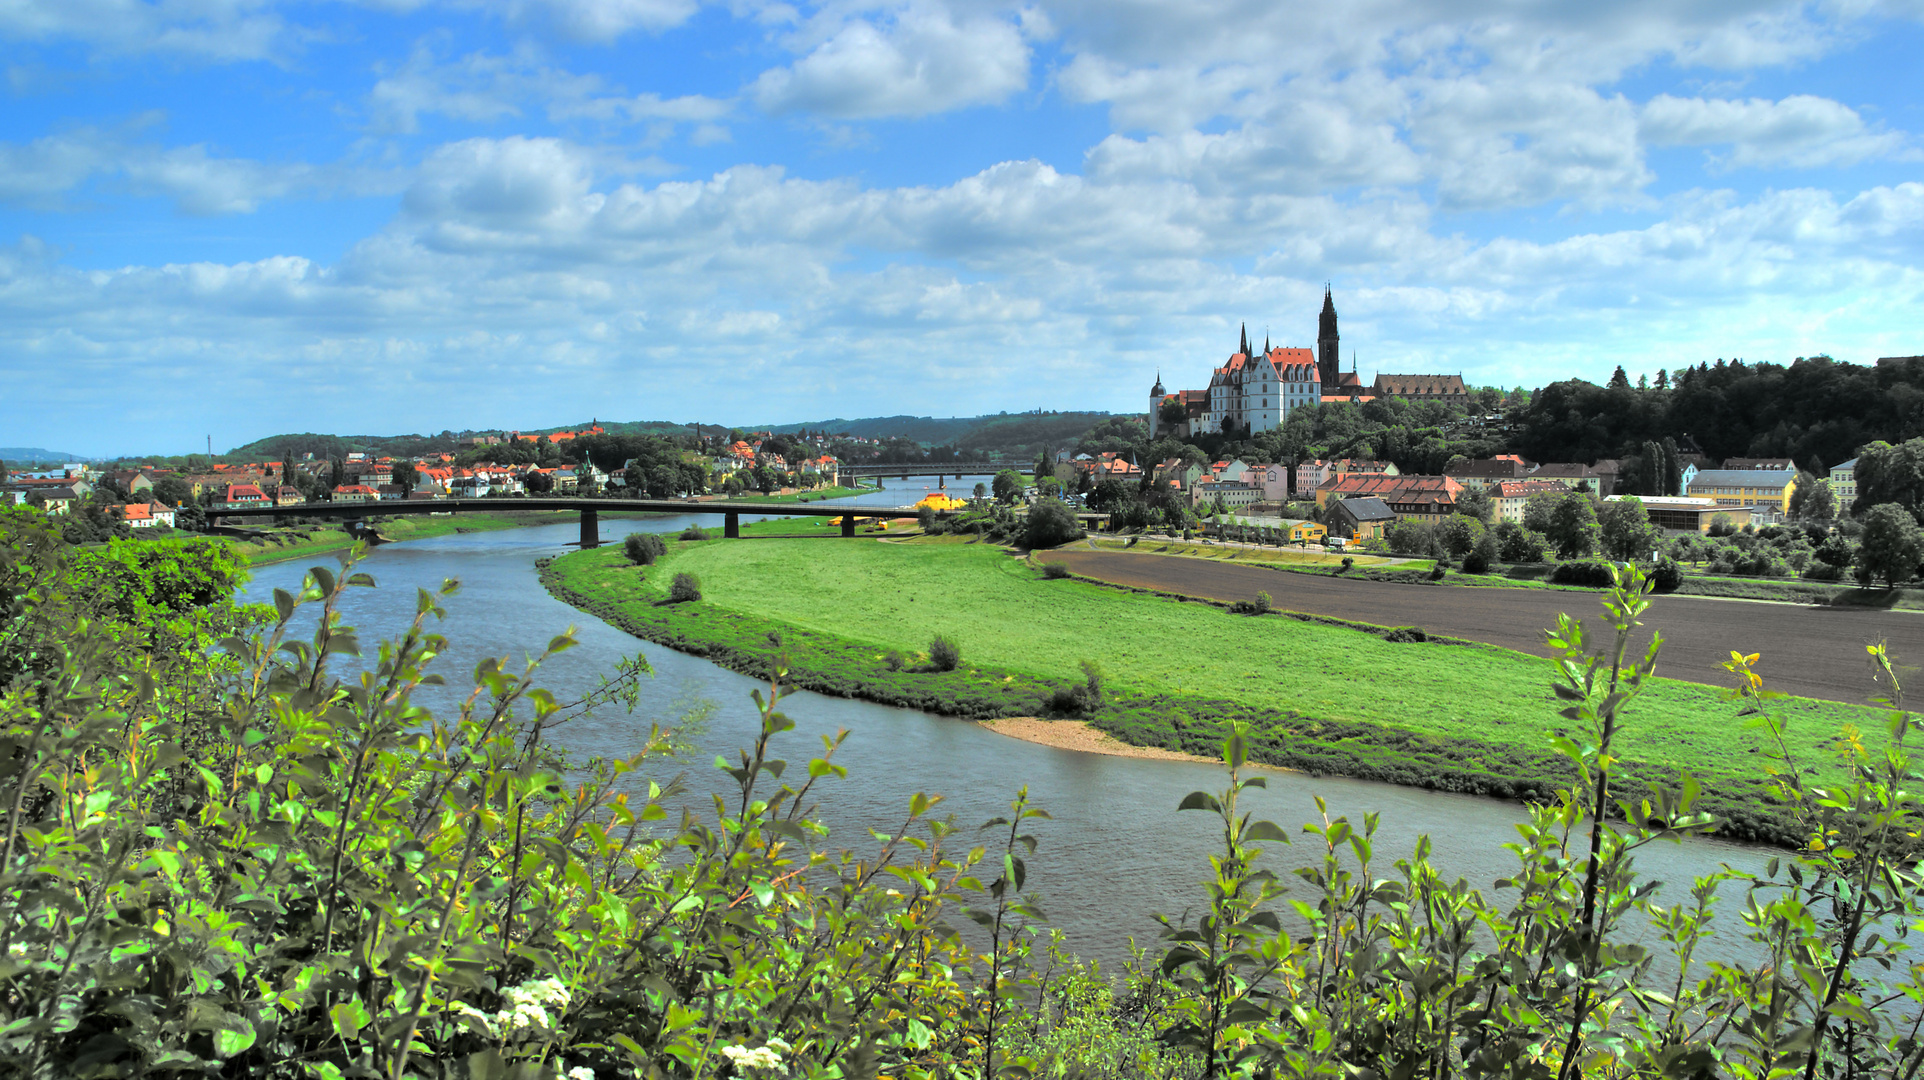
(1768, 490)
(1304, 532)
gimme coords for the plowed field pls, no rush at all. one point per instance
(1808, 651)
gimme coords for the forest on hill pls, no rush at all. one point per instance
(1815, 410)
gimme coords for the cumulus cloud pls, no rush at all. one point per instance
(915, 61)
(1800, 131)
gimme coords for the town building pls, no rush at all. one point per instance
(1421, 387)
(1313, 473)
(1409, 496)
(1678, 514)
(1753, 464)
(1843, 485)
(146, 515)
(1600, 479)
(1481, 474)
(1360, 519)
(355, 493)
(242, 496)
(1295, 531)
(1273, 479)
(1767, 491)
(1233, 493)
(1509, 497)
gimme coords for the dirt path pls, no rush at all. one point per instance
(1808, 651)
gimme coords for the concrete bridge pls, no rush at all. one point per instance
(590, 511)
(941, 471)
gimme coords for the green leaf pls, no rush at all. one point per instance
(349, 1018)
(1200, 800)
(230, 1041)
(1265, 830)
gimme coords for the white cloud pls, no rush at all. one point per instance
(1301, 148)
(1801, 131)
(485, 88)
(915, 61)
(1523, 143)
(212, 30)
(595, 20)
(48, 173)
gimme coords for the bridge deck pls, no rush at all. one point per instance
(387, 508)
(589, 509)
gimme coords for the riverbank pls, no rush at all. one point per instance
(1079, 736)
(851, 619)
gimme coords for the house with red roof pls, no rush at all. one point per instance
(146, 515)
(355, 493)
(1425, 497)
(242, 496)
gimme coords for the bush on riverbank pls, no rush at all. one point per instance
(944, 654)
(644, 548)
(686, 588)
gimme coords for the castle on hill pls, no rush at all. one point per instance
(1256, 391)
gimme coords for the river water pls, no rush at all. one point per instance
(1115, 852)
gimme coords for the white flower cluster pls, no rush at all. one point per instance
(761, 1057)
(526, 1011)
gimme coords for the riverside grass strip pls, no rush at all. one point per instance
(1325, 698)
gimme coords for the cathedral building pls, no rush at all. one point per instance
(1255, 391)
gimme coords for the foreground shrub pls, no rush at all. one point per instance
(1588, 573)
(685, 588)
(944, 654)
(643, 549)
(1258, 606)
(333, 883)
(1054, 571)
(1666, 576)
(1049, 523)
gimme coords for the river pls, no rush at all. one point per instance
(1116, 851)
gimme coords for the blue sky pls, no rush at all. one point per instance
(243, 217)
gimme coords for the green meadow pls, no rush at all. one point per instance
(1326, 696)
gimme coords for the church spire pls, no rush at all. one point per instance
(1328, 344)
(1244, 346)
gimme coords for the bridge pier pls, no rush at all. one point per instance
(942, 482)
(732, 525)
(590, 529)
(848, 524)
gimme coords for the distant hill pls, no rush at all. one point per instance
(1008, 432)
(20, 454)
(1011, 434)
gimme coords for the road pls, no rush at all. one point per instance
(1808, 651)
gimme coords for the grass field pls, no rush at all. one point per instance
(803, 496)
(1332, 698)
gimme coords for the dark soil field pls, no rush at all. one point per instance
(1808, 651)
